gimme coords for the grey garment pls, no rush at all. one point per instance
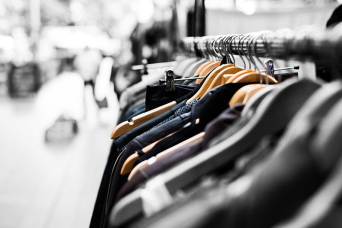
(237, 125)
(178, 112)
(192, 68)
(269, 188)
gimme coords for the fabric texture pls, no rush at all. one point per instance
(222, 122)
(207, 109)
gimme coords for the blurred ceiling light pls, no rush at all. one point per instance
(144, 9)
(247, 7)
(339, 1)
(162, 3)
(3, 10)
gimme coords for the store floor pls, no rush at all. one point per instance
(43, 186)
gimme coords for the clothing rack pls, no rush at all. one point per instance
(311, 45)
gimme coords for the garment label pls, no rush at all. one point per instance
(155, 196)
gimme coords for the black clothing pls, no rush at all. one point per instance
(207, 109)
(219, 124)
(156, 95)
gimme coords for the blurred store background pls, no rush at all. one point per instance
(63, 67)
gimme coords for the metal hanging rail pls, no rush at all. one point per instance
(317, 45)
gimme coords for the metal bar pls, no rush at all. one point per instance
(154, 65)
(181, 79)
(284, 68)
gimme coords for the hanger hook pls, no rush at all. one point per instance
(220, 44)
(250, 38)
(209, 47)
(238, 51)
(205, 47)
(226, 42)
(250, 54)
(267, 43)
(214, 46)
(230, 40)
(255, 45)
(245, 37)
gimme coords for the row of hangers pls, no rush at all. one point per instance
(223, 71)
(315, 45)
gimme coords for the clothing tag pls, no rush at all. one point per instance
(155, 196)
(187, 125)
(151, 160)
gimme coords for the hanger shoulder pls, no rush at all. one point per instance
(205, 85)
(218, 79)
(126, 126)
(193, 139)
(225, 78)
(150, 146)
(254, 77)
(255, 100)
(167, 152)
(251, 92)
(230, 73)
(236, 75)
(199, 70)
(239, 96)
(207, 69)
(128, 164)
(136, 169)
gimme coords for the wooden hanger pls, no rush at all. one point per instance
(207, 83)
(253, 77)
(128, 164)
(207, 69)
(272, 116)
(239, 96)
(201, 68)
(144, 164)
(227, 76)
(251, 93)
(218, 79)
(255, 100)
(126, 126)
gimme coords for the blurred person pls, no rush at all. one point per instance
(62, 96)
(105, 97)
(21, 53)
(87, 65)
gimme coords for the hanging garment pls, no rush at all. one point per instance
(212, 129)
